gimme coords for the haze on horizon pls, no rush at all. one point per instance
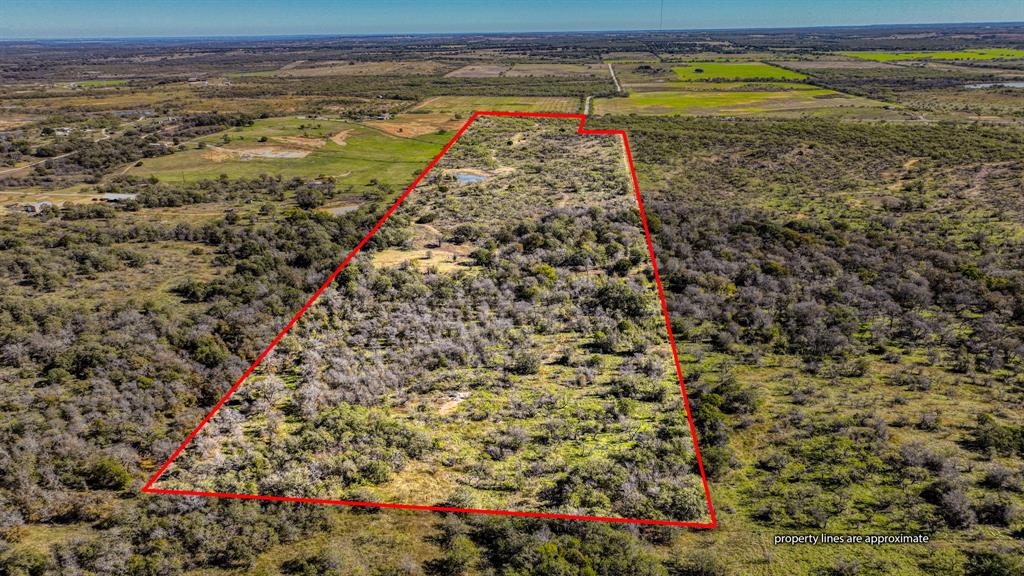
(21, 19)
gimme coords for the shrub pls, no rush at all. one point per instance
(324, 563)
(987, 563)
(699, 563)
(637, 388)
(997, 511)
(106, 473)
(307, 198)
(524, 363)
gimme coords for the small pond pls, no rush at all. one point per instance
(464, 178)
(996, 85)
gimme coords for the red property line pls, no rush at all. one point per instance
(664, 308)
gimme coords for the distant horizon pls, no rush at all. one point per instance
(56, 20)
(328, 35)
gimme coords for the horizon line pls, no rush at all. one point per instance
(328, 35)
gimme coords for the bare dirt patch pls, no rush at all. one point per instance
(427, 250)
(300, 142)
(339, 209)
(412, 125)
(217, 154)
(341, 137)
(452, 402)
(7, 123)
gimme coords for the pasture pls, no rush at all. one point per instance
(979, 54)
(348, 68)
(528, 70)
(351, 153)
(466, 105)
(734, 71)
(676, 102)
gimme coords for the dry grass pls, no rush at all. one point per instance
(479, 71)
(427, 251)
(413, 125)
(346, 68)
(519, 70)
(466, 105)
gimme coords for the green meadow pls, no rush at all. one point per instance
(99, 83)
(351, 153)
(734, 71)
(681, 102)
(982, 54)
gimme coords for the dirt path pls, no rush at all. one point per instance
(424, 103)
(36, 163)
(105, 136)
(614, 79)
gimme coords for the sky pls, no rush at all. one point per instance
(132, 18)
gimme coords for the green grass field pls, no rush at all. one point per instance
(698, 86)
(982, 54)
(100, 83)
(734, 71)
(688, 102)
(301, 147)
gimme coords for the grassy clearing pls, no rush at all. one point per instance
(479, 71)
(351, 153)
(466, 105)
(734, 71)
(348, 68)
(698, 86)
(418, 124)
(722, 102)
(558, 70)
(982, 54)
(99, 83)
(615, 57)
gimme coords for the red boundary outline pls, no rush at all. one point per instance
(664, 308)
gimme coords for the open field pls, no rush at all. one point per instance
(614, 57)
(350, 68)
(701, 86)
(836, 64)
(527, 70)
(466, 105)
(725, 102)
(479, 71)
(350, 153)
(98, 83)
(981, 54)
(413, 124)
(734, 71)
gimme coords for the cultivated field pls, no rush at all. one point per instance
(734, 71)
(724, 102)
